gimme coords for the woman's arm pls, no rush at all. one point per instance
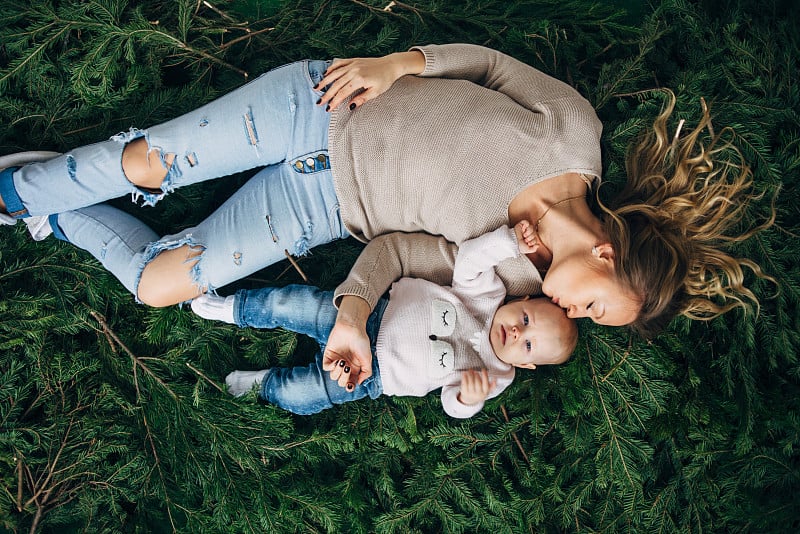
(527, 86)
(348, 342)
(389, 257)
(385, 259)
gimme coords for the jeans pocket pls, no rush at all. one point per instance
(316, 71)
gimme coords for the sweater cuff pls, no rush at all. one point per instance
(430, 60)
(455, 408)
(348, 288)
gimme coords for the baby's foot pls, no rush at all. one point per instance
(243, 382)
(214, 307)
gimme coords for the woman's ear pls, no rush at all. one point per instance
(603, 251)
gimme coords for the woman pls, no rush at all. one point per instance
(475, 140)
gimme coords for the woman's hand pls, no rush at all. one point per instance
(475, 386)
(372, 76)
(348, 353)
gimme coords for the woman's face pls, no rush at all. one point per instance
(586, 286)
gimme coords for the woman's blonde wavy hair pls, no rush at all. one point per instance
(684, 197)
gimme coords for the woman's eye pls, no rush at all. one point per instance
(525, 319)
(589, 307)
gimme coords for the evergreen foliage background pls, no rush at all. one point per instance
(112, 417)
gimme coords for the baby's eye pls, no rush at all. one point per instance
(525, 319)
(528, 345)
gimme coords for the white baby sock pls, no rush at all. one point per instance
(242, 382)
(214, 307)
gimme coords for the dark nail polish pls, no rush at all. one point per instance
(341, 363)
(316, 87)
(324, 89)
(352, 106)
(346, 368)
(350, 387)
(328, 107)
(319, 101)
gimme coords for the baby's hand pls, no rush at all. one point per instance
(475, 386)
(527, 238)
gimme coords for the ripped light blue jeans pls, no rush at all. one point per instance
(310, 311)
(271, 122)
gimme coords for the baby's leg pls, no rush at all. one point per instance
(241, 383)
(305, 310)
(308, 390)
(302, 309)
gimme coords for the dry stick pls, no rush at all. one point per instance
(19, 482)
(248, 35)
(136, 360)
(514, 435)
(295, 265)
(36, 519)
(204, 376)
(51, 471)
(183, 46)
(217, 11)
(110, 335)
(375, 9)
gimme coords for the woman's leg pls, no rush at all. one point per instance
(279, 209)
(115, 238)
(276, 210)
(302, 309)
(272, 119)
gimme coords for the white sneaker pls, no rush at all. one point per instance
(214, 307)
(39, 226)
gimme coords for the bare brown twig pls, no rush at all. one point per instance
(112, 336)
(514, 435)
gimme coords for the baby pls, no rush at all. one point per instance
(462, 338)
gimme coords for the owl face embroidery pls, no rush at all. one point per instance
(442, 358)
(443, 318)
(443, 323)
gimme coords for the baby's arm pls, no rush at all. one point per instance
(474, 271)
(475, 386)
(454, 398)
(527, 238)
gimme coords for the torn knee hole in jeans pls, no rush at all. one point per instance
(150, 196)
(301, 246)
(195, 272)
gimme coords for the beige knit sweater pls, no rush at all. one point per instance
(445, 153)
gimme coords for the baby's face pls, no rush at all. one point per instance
(525, 332)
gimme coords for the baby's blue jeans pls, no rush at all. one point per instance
(310, 311)
(271, 122)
